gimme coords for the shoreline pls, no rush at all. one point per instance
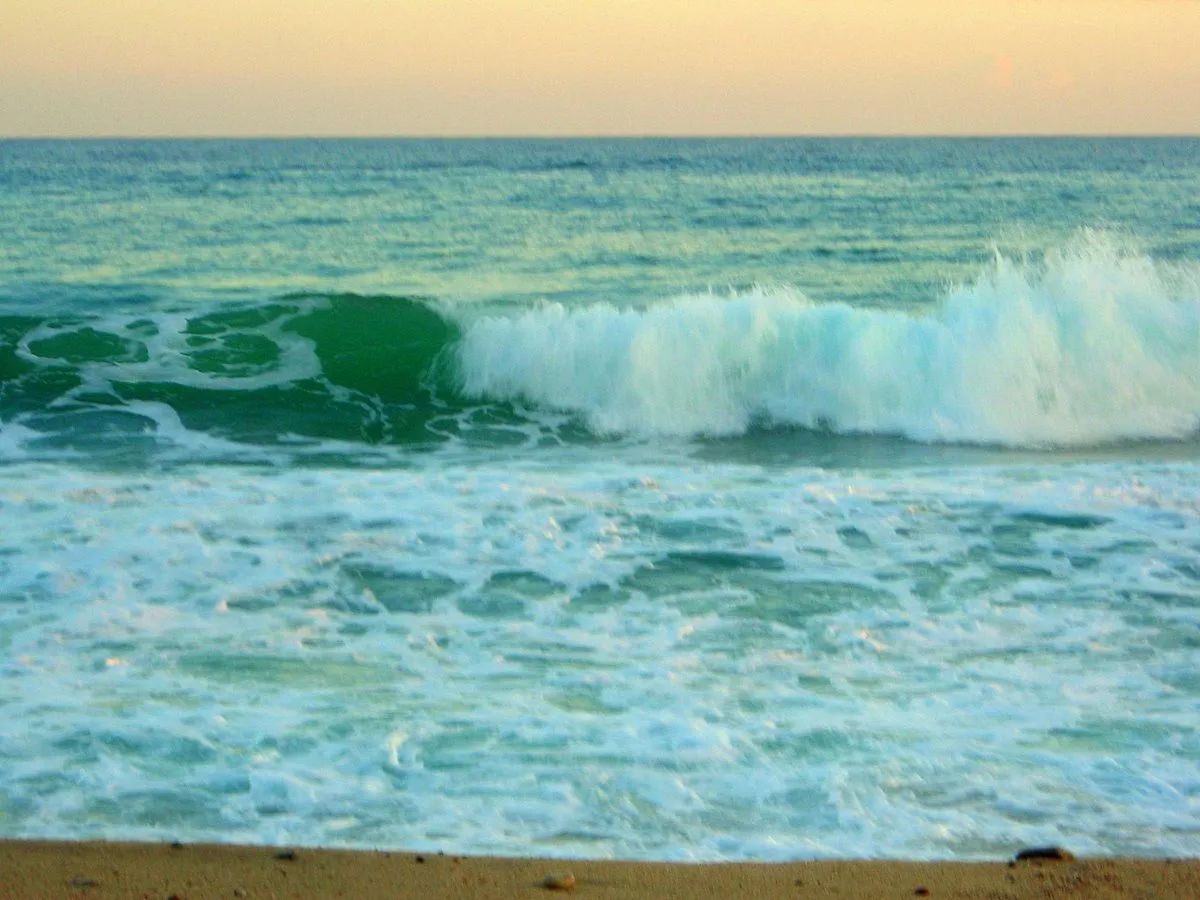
(97, 870)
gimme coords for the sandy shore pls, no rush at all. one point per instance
(48, 869)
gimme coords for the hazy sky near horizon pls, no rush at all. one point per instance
(564, 67)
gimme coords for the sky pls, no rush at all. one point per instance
(598, 67)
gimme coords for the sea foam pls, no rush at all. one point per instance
(1091, 344)
(604, 654)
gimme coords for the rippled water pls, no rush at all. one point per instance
(658, 499)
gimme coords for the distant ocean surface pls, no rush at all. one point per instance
(662, 499)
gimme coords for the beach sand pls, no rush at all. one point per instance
(50, 869)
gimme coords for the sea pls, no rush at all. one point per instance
(737, 499)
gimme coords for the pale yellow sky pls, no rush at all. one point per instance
(563, 67)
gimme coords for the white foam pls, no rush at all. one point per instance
(168, 349)
(14, 439)
(192, 654)
(1093, 344)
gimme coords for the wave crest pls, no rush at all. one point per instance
(1089, 345)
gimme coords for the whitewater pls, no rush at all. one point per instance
(1091, 346)
(747, 499)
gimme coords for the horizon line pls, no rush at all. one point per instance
(633, 136)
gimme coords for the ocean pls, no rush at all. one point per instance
(657, 499)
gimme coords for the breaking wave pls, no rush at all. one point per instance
(1089, 345)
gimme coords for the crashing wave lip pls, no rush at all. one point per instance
(1092, 345)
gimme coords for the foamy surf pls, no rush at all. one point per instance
(603, 655)
(1090, 345)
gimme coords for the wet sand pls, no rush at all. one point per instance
(97, 870)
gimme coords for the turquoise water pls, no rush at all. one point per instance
(742, 499)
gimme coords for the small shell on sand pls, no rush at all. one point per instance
(559, 881)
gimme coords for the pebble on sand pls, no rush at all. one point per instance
(559, 881)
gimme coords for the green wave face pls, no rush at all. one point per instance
(383, 347)
(300, 370)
